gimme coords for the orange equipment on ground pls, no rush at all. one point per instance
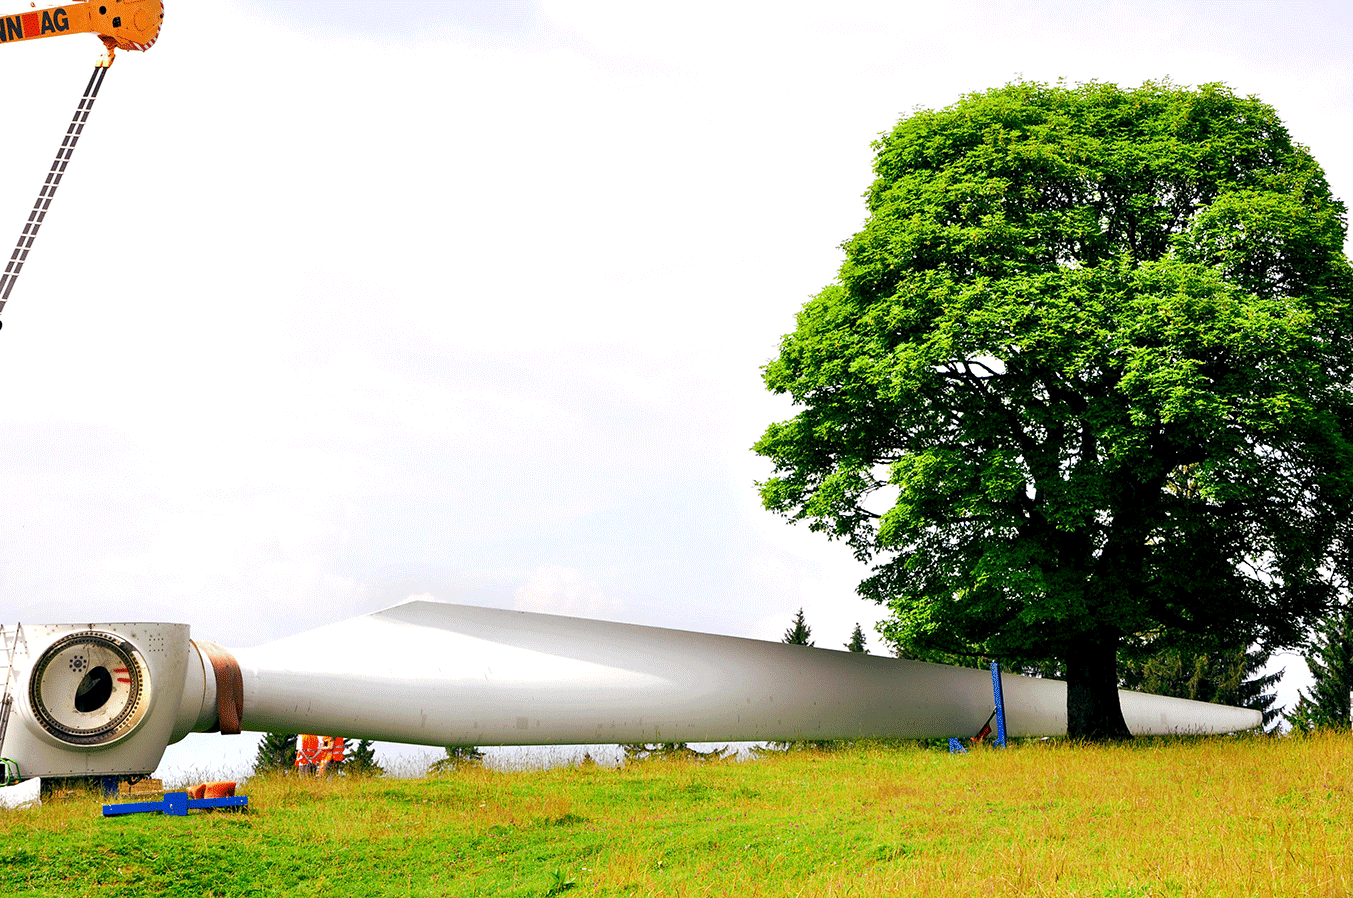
(120, 24)
(212, 790)
(316, 754)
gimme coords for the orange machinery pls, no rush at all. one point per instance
(120, 24)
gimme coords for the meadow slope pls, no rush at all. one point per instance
(1227, 816)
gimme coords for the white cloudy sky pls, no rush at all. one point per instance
(341, 303)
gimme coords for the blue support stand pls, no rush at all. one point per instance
(175, 804)
(956, 745)
(999, 695)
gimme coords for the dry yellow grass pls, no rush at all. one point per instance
(1244, 816)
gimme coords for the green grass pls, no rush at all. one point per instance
(1246, 816)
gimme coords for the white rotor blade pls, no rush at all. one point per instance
(437, 674)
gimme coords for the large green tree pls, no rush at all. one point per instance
(1066, 300)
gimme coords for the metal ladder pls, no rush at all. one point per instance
(9, 771)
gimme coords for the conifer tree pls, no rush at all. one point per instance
(1225, 676)
(457, 757)
(644, 751)
(361, 761)
(856, 643)
(1331, 665)
(800, 632)
(276, 751)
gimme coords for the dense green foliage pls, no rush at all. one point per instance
(1255, 816)
(276, 751)
(1082, 380)
(856, 643)
(1330, 660)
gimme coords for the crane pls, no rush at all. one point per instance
(121, 25)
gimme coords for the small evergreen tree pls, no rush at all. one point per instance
(276, 751)
(457, 757)
(1331, 665)
(361, 761)
(856, 643)
(1256, 690)
(799, 633)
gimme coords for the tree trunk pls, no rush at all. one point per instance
(1093, 711)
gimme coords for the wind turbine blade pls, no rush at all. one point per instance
(438, 674)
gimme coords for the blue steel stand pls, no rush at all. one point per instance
(956, 745)
(999, 694)
(175, 804)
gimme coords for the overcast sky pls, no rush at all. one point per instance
(342, 303)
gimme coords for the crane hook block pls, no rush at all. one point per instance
(120, 24)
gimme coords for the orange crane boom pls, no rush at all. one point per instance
(120, 24)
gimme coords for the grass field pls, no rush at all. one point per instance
(1226, 817)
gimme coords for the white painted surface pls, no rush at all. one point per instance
(438, 674)
(427, 673)
(165, 650)
(25, 794)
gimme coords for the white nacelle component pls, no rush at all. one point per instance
(90, 688)
(95, 699)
